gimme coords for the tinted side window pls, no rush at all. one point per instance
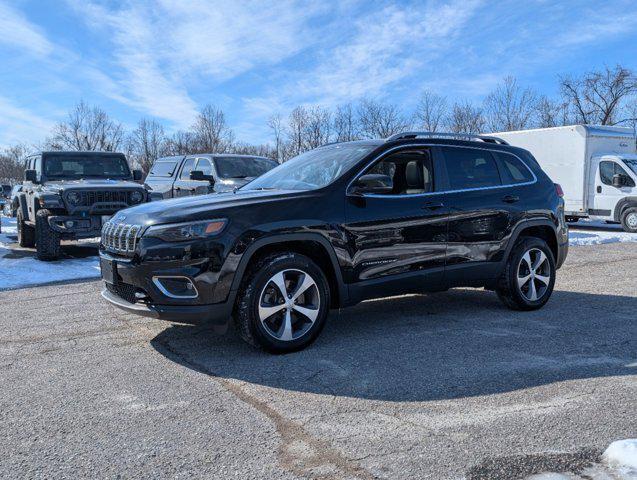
(470, 168)
(608, 169)
(513, 170)
(411, 172)
(163, 169)
(189, 166)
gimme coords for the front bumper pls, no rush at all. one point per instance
(81, 227)
(216, 315)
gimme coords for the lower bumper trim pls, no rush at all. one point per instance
(217, 315)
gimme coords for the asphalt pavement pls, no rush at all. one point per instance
(449, 385)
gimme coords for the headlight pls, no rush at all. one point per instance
(179, 232)
(74, 198)
(50, 201)
(136, 197)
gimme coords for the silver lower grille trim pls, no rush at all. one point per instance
(120, 237)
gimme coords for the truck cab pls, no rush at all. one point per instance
(613, 187)
(200, 174)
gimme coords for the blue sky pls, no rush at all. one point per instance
(167, 58)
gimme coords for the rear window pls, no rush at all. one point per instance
(513, 170)
(163, 169)
(471, 168)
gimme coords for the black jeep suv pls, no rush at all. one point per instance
(346, 222)
(69, 195)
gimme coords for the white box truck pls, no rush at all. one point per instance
(595, 165)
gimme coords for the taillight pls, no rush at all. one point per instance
(558, 190)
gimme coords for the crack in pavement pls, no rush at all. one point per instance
(299, 452)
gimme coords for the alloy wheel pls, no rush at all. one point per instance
(289, 304)
(631, 220)
(534, 274)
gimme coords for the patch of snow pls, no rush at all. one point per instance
(622, 455)
(549, 476)
(20, 268)
(595, 232)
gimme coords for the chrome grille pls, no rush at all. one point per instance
(120, 237)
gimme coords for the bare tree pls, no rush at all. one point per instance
(276, 125)
(147, 143)
(431, 112)
(297, 126)
(380, 120)
(263, 150)
(466, 118)
(345, 125)
(12, 164)
(597, 97)
(211, 132)
(509, 107)
(87, 129)
(550, 113)
(318, 127)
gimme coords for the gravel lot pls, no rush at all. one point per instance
(440, 386)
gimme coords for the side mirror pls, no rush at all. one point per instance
(619, 180)
(30, 176)
(137, 175)
(199, 176)
(374, 183)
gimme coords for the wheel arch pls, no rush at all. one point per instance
(543, 229)
(314, 246)
(623, 204)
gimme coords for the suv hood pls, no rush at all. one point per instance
(90, 184)
(200, 207)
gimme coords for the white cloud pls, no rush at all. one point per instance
(17, 31)
(20, 125)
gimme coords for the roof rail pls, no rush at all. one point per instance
(456, 136)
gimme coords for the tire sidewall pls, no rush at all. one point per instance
(287, 261)
(627, 212)
(521, 248)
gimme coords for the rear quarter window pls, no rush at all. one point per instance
(513, 171)
(163, 169)
(470, 168)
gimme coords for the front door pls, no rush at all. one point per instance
(397, 240)
(183, 186)
(605, 195)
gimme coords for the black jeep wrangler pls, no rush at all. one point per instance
(418, 212)
(69, 195)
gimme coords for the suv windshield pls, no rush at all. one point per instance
(83, 166)
(311, 170)
(631, 163)
(242, 167)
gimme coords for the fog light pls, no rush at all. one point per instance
(176, 287)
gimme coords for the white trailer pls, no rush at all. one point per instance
(595, 165)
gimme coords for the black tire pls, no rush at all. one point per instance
(629, 220)
(518, 297)
(26, 234)
(47, 240)
(256, 284)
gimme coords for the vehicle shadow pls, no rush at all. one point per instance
(83, 249)
(460, 343)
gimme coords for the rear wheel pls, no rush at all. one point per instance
(283, 304)
(529, 278)
(47, 240)
(26, 234)
(629, 220)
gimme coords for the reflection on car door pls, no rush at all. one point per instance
(402, 235)
(482, 213)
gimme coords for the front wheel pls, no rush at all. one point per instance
(47, 240)
(529, 277)
(629, 220)
(283, 304)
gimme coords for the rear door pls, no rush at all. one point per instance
(398, 240)
(484, 208)
(605, 195)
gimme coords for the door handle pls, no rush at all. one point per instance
(433, 205)
(177, 189)
(599, 189)
(510, 199)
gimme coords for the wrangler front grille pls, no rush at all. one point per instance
(120, 238)
(89, 198)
